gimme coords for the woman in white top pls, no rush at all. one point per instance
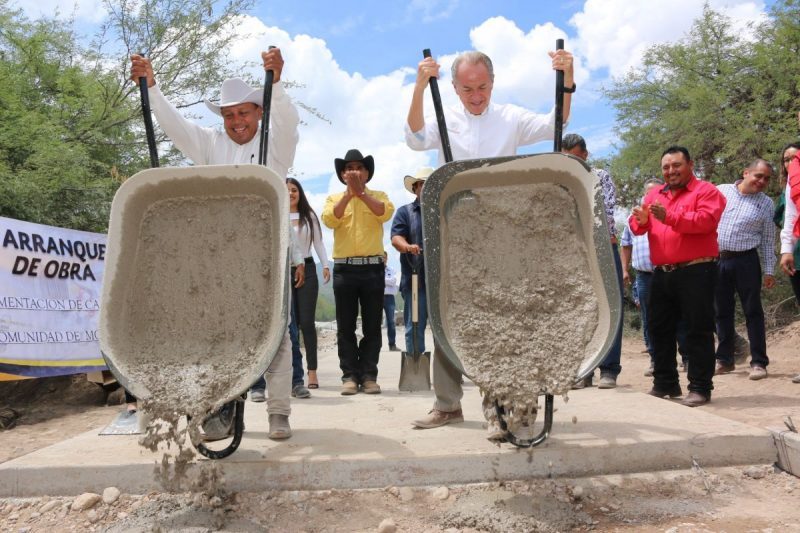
(304, 299)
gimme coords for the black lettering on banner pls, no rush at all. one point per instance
(24, 241)
(23, 264)
(9, 239)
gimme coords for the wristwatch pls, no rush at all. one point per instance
(570, 90)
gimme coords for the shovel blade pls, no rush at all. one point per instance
(415, 372)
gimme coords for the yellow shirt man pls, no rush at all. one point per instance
(356, 217)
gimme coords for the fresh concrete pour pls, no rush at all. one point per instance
(523, 305)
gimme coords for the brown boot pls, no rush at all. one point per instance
(438, 418)
(349, 388)
(371, 387)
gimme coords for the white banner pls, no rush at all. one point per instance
(50, 286)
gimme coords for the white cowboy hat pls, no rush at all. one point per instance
(234, 92)
(421, 175)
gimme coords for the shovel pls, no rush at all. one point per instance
(415, 367)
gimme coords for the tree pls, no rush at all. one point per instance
(70, 122)
(721, 95)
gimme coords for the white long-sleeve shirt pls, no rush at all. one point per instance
(789, 216)
(304, 241)
(210, 146)
(497, 132)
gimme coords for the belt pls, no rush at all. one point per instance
(676, 266)
(729, 255)
(359, 261)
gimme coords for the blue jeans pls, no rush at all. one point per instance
(610, 366)
(422, 322)
(388, 310)
(642, 283)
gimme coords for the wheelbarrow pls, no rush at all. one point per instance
(195, 295)
(521, 285)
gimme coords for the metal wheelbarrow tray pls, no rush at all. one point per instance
(522, 289)
(195, 291)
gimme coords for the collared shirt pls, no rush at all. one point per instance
(609, 198)
(689, 230)
(746, 223)
(390, 280)
(209, 146)
(640, 250)
(498, 131)
(359, 233)
(408, 223)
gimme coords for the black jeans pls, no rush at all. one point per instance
(305, 305)
(688, 294)
(355, 286)
(740, 275)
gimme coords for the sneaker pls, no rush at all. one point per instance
(349, 388)
(437, 418)
(300, 391)
(257, 396)
(371, 387)
(393, 348)
(649, 372)
(585, 382)
(757, 372)
(796, 379)
(607, 381)
(723, 368)
(496, 433)
(218, 425)
(279, 427)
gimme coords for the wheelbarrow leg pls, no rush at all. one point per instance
(538, 439)
(238, 430)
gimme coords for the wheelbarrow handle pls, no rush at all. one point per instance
(437, 105)
(148, 120)
(558, 130)
(266, 104)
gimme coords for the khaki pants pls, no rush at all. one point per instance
(279, 379)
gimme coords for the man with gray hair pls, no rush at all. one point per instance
(478, 127)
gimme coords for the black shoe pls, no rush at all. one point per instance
(673, 392)
(393, 348)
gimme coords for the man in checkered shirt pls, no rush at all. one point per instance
(746, 236)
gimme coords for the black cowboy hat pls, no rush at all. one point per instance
(354, 155)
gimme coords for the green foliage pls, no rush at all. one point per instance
(70, 118)
(727, 99)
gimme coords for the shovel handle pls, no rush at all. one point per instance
(266, 103)
(437, 105)
(558, 131)
(148, 120)
(414, 298)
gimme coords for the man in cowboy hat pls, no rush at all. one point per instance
(240, 109)
(407, 239)
(357, 216)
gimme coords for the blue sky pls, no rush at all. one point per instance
(357, 61)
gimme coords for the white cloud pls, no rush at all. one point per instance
(614, 34)
(431, 10)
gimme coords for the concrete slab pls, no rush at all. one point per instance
(787, 442)
(367, 441)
